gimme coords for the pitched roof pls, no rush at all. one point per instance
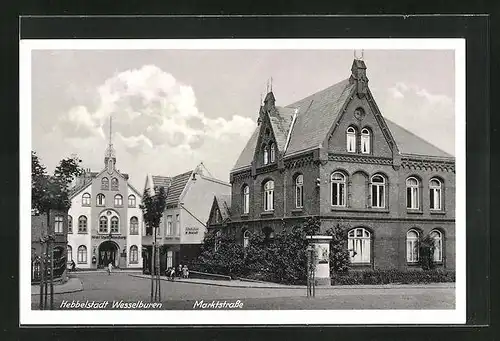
(316, 115)
(281, 119)
(161, 181)
(224, 203)
(176, 187)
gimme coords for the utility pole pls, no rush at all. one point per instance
(51, 250)
(152, 266)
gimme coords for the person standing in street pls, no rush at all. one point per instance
(110, 266)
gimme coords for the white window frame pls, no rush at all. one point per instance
(272, 151)
(436, 194)
(70, 224)
(100, 200)
(246, 199)
(360, 246)
(168, 229)
(338, 190)
(58, 224)
(118, 200)
(101, 220)
(177, 227)
(351, 140)
(83, 219)
(412, 246)
(134, 225)
(131, 201)
(246, 239)
(86, 199)
(365, 141)
(105, 183)
(437, 236)
(81, 257)
(378, 188)
(117, 220)
(299, 191)
(414, 190)
(266, 155)
(69, 253)
(134, 254)
(269, 196)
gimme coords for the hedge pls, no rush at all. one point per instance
(394, 277)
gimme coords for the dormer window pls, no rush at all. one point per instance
(365, 141)
(266, 155)
(272, 147)
(351, 140)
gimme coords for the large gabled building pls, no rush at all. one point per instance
(332, 155)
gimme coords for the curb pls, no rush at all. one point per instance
(282, 286)
(67, 291)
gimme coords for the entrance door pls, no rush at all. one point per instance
(170, 256)
(107, 254)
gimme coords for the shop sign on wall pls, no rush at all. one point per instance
(192, 230)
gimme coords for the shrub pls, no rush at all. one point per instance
(426, 253)
(340, 259)
(394, 276)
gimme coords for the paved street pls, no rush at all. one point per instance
(100, 286)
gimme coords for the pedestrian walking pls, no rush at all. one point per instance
(110, 267)
(185, 272)
(179, 271)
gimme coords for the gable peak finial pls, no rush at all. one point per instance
(359, 57)
(271, 84)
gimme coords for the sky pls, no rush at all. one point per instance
(173, 109)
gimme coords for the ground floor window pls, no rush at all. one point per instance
(412, 246)
(438, 246)
(134, 254)
(359, 245)
(82, 254)
(70, 253)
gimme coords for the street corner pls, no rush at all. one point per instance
(72, 285)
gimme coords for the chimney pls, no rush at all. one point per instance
(358, 76)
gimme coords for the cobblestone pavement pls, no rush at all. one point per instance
(181, 295)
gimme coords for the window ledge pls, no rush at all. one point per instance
(244, 215)
(297, 210)
(267, 213)
(360, 210)
(85, 205)
(82, 232)
(414, 211)
(437, 212)
(81, 262)
(118, 206)
(412, 264)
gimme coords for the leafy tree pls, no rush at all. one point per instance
(152, 208)
(340, 259)
(426, 252)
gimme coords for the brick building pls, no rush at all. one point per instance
(332, 155)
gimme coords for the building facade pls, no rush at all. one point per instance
(332, 155)
(183, 225)
(104, 221)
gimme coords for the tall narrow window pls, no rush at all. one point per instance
(70, 224)
(246, 199)
(82, 224)
(246, 239)
(266, 155)
(378, 191)
(435, 194)
(365, 141)
(82, 254)
(103, 225)
(131, 200)
(114, 184)
(101, 199)
(105, 183)
(177, 227)
(58, 224)
(134, 254)
(412, 246)
(115, 226)
(438, 246)
(338, 182)
(412, 195)
(118, 200)
(169, 231)
(218, 236)
(269, 196)
(134, 225)
(299, 191)
(359, 245)
(69, 252)
(86, 199)
(272, 147)
(351, 140)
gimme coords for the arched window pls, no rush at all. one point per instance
(272, 147)
(438, 246)
(412, 195)
(365, 141)
(435, 191)
(246, 238)
(131, 200)
(114, 184)
(86, 199)
(218, 236)
(134, 254)
(412, 246)
(105, 183)
(269, 195)
(118, 200)
(70, 224)
(115, 227)
(338, 189)
(82, 224)
(69, 252)
(246, 199)
(58, 224)
(103, 225)
(82, 254)
(359, 245)
(134, 225)
(378, 191)
(351, 140)
(299, 191)
(101, 199)
(266, 155)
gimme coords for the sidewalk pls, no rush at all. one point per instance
(267, 285)
(139, 271)
(72, 285)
